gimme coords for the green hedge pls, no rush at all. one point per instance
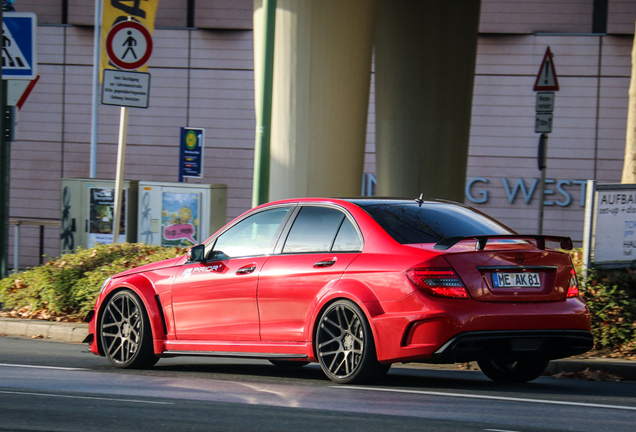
(67, 287)
(611, 297)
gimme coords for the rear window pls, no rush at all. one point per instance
(408, 223)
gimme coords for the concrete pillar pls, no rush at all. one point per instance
(322, 65)
(425, 63)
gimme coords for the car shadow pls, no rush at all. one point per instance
(404, 377)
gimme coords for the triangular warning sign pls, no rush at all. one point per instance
(12, 57)
(547, 78)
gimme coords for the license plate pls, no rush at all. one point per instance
(509, 280)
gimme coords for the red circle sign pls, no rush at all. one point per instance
(129, 45)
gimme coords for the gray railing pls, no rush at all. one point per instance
(18, 223)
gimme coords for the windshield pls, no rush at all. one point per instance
(410, 223)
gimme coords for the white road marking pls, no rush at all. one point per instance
(499, 398)
(52, 395)
(42, 367)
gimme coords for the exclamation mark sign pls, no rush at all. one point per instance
(546, 76)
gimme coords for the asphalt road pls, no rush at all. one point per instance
(52, 386)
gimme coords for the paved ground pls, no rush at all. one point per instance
(592, 368)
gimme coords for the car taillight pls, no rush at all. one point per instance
(438, 282)
(573, 286)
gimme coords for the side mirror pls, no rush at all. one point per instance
(197, 253)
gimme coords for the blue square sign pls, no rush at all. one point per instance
(18, 45)
(191, 153)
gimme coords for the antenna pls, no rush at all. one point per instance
(420, 200)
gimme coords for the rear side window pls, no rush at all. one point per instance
(321, 229)
(408, 223)
(347, 239)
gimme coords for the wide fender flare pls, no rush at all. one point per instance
(346, 289)
(144, 288)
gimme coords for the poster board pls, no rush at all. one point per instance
(101, 204)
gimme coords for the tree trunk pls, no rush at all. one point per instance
(629, 165)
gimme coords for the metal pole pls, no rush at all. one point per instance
(260, 193)
(590, 192)
(5, 154)
(543, 157)
(96, 69)
(16, 246)
(119, 178)
(41, 244)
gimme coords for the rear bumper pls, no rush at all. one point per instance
(550, 344)
(418, 328)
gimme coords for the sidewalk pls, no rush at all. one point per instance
(76, 332)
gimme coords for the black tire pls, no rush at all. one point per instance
(344, 345)
(125, 332)
(288, 363)
(513, 370)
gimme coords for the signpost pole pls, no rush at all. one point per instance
(543, 156)
(119, 177)
(18, 63)
(95, 102)
(546, 84)
(587, 225)
(123, 39)
(4, 181)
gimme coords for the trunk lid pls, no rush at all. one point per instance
(511, 268)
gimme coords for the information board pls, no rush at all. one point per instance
(191, 152)
(123, 88)
(612, 239)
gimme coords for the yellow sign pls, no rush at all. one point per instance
(115, 11)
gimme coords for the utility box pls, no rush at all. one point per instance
(180, 214)
(87, 213)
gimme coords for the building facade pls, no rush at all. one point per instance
(202, 72)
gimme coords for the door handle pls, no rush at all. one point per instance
(326, 262)
(246, 269)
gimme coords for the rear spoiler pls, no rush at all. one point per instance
(539, 240)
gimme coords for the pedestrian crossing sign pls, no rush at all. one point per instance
(18, 45)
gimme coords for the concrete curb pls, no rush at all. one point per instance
(625, 369)
(76, 332)
(39, 329)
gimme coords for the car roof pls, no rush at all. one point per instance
(364, 201)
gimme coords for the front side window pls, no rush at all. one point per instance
(321, 229)
(254, 235)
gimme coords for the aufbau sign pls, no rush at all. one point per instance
(18, 45)
(612, 228)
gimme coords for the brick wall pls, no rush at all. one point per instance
(204, 78)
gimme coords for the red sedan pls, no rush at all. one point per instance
(355, 285)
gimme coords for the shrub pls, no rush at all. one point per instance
(611, 298)
(68, 286)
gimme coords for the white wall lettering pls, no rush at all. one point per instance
(557, 192)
